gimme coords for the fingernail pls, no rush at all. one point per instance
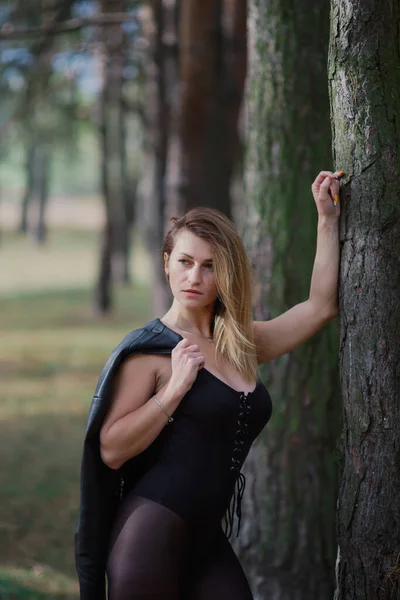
(336, 199)
(338, 174)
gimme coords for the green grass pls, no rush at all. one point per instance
(51, 352)
(38, 583)
(69, 259)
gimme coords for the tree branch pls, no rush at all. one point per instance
(7, 32)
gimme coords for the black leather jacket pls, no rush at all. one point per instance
(100, 485)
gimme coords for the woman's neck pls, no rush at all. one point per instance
(189, 323)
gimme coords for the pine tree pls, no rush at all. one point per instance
(364, 78)
(288, 542)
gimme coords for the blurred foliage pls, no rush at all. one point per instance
(50, 83)
(53, 346)
(73, 174)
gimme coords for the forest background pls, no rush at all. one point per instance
(118, 114)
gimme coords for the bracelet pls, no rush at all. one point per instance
(170, 419)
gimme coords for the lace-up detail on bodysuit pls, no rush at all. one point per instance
(235, 504)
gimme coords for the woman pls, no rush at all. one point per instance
(198, 411)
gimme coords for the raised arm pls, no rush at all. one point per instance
(286, 332)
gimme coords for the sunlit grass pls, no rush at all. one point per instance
(68, 257)
(51, 352)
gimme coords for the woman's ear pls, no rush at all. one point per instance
(166, 259)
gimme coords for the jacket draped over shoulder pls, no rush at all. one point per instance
(100, 485)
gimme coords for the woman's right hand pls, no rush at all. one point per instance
(186, 361)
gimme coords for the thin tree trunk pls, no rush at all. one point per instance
(364, 78)
(43, 182)
(288, 543)
(103, 291)
(158, 119)
(112, 170)
(103, 295)
(128, 194)
(30, 157)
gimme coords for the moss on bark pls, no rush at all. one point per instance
(294, 468)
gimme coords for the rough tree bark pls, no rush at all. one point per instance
(364, 77)
(288, 545)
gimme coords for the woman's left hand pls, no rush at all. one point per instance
(325, 190)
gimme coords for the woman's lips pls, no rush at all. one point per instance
(192, 293)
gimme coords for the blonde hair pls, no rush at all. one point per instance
(232, 321)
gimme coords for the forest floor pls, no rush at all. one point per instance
(51, 352)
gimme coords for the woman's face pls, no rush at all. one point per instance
(190, 267)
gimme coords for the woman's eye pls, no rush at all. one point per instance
(186, 262)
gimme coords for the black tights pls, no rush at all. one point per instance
(155, 556)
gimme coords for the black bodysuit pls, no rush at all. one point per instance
(167, 540)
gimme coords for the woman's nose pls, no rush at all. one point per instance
(194, 276)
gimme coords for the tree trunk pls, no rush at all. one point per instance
(112, 169)
(288, 543)
(210, 102)
(103, 294)
(172, 68)
(158, 128)
(42, 181)
(128, 195)
(103, 299)
(235, 19)
(364, 77)
(29, 188)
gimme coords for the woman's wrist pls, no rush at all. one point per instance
(171, 396)
(328, 223)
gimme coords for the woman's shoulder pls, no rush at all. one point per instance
(147, 347)
(138, 366)
(142, 340)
